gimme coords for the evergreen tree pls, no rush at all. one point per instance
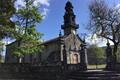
(6, 11)
(6, 25)
(27, 38)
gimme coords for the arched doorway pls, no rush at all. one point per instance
(74, 58)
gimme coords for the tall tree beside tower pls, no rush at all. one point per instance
(105, 22)
(27, 38)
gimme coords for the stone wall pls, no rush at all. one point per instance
(29, 72)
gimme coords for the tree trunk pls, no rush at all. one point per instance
(19, 58)
(114, 52)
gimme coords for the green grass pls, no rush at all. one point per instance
(96, 66)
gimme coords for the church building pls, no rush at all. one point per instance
(65, 47)
(53, 52)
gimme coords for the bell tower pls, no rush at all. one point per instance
(69, 25)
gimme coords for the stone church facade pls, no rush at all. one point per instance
(70, 42)
(53, 52)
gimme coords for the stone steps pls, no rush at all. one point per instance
(94, 75)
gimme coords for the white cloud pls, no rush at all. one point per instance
(19, 3)
(117, 7)
(45, 3)
(42, 2)
(95, 40)
(44, 13)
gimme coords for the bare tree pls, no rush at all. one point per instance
(105, 22)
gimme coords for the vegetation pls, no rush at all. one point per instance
(22, 28)
(105, 22)
(6, 12)
(100, 66)
(95, 55)
(1, 44)
(6, 25)
(118, 54)
(27, 38)
(1, 50)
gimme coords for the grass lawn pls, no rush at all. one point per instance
(96, 66)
